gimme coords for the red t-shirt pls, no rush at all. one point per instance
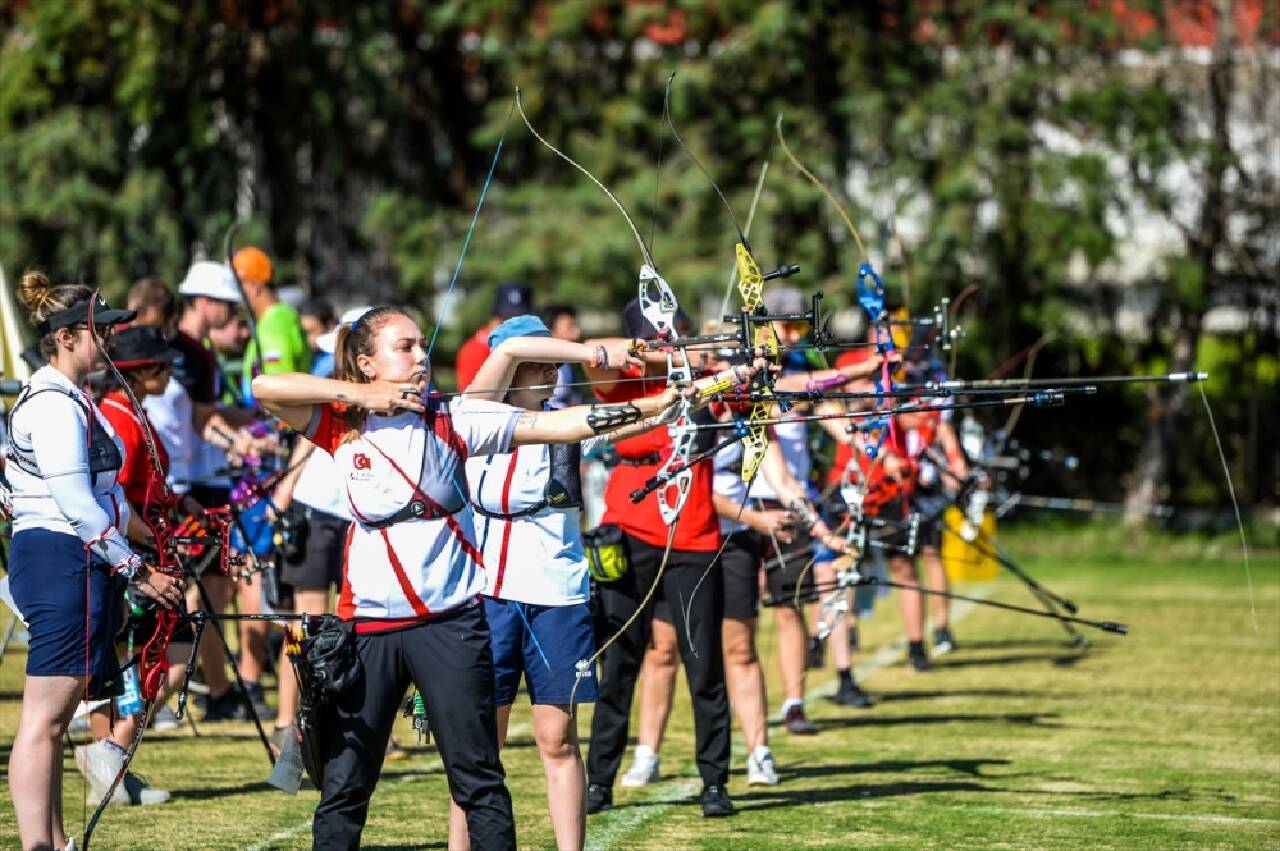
(471, 356)
(697, 527)
(136, 471)
(882, 489)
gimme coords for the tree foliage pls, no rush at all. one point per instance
(1012, 145)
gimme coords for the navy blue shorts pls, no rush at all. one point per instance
(47, 575)
(544, 643)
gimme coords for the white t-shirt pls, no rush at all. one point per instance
(320, 487)
(170, 415)
(727, 481)
(536, 558)
(793, 439)
(54, 428)
(422, 566)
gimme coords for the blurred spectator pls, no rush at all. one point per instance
(283, 343)
(318, 321)
(513, 298)
(562, 320)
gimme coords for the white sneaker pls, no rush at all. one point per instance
(760, 768)
(643, 771)
(100, 763)
(140, 792)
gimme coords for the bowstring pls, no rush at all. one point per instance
(466, 242)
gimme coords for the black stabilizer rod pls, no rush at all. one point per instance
(848, 581)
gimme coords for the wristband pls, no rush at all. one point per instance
(130, 567)
(801, 510)
(601, 358)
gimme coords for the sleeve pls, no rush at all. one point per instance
(327, 428)
(471, 356)
(61, 453)
(485, 427)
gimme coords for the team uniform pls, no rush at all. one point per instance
(697, 538)
(70, 513)
(537, 588)
(412, 573)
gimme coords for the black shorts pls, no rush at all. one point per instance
(784, 563)
(740, 575)
(319, 561)
(931, 507)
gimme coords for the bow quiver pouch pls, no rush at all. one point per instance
(606, 553)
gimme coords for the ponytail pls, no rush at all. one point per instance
(354, 340)
(43, 299)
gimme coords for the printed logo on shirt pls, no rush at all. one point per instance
(362, 471)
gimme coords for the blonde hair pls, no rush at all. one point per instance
(43, 299)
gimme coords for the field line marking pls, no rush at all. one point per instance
(1039, 811)
(603, 837)
(890, 653)
(623, 821)
(305, 825)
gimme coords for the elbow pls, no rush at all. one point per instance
(266, 388)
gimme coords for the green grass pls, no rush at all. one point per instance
(1166, 738)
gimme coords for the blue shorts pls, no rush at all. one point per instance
(544, 643)
(47, 575)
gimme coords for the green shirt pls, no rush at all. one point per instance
(284, 345)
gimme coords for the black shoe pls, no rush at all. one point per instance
(943, 641)
(918, 660)
(797, 724)
(225, 707)
(599, 798)
(850, 694)
(817, 658)
(259, 699)
(716, 803)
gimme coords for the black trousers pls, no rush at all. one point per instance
(450, 662)
(620, 664)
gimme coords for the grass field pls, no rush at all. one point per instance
(1166, 738)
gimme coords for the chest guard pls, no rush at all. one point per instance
(564, 484)
(103, 454)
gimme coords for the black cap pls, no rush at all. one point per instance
(103, 314)
(513, 298)
(634, 324)
(140, 346)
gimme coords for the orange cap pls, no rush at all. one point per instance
(252, 264)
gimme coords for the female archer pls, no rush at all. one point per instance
(69, 558)
(413, 571)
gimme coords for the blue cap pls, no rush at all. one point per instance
(527, 325)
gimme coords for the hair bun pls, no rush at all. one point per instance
(34, 290)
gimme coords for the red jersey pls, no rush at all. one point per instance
(136, 471)
(697, 527)
(471, 356)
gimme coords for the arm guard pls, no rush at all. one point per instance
(603, 418)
